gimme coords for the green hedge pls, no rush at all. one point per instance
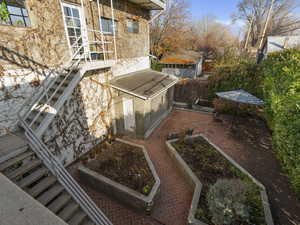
(244, 74)
(281, 88)
(277, 81)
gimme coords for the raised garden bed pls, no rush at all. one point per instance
(204, 165)
(124, 171)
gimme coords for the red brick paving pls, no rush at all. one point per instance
(173, 205)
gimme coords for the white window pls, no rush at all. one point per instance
(107, 25)
(13, 12)
(132, 26)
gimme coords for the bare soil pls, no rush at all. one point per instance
(209, 166)
(123, 163)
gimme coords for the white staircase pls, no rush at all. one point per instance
(39, 172)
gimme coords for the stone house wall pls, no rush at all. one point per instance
(27, 53)
(84, 120)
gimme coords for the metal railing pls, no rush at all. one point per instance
(41, 99)
(65, 179)
(38, 101)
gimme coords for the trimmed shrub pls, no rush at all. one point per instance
(230, 107)
(282, 94)
(227, 201)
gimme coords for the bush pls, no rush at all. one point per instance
(244, 74)
(230, 107)
(282, 94)
(155, 65)
(277, 81)
(226, 201)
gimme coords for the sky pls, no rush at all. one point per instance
(222, 9)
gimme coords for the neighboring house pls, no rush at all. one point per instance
(71, 72)
(187, 64)
(279, 43)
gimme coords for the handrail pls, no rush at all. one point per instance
(34, 100)
(64, 177)
(37, 145)
(41, 98)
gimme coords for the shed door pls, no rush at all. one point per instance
(129, 118)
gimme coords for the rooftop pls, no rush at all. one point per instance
(278, 43)
(183, 57)
(144, 84)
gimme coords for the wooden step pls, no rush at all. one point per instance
(68, 211)
(33, 177)
(50, 194)
(41, 186)
(77, 218)
(24, 169)
(15, 160)
(59, 202)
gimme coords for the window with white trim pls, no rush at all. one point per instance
(14, 12)
(133, 26)
(107, 25)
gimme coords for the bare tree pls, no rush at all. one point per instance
(209, 36)
(283, 20)
(168, 32)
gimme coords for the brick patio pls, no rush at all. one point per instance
(173, 205)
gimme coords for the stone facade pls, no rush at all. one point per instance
(27, 53)
(84, 119)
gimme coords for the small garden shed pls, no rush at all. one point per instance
(186, 64)
(143, 99)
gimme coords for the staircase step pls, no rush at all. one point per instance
(59, 203)
(53, 89)
(24, 169)
(50, 194)
(60, 80)
(41, 186)
(13, 154)
(38, 120)
(30, 179)
(78, 218)
(12, 161)
(88, 222)
(68, 211)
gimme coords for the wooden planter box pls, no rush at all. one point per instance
(120, 192)
(196, 184)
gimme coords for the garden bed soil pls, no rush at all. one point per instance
(252, 131)
(124, 164)
(209, 166)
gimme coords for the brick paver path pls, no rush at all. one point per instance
(173, 205)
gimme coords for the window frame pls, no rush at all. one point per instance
(24, 16)
(109, 24)
(135, 30)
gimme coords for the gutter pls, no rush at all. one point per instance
(144, 97)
